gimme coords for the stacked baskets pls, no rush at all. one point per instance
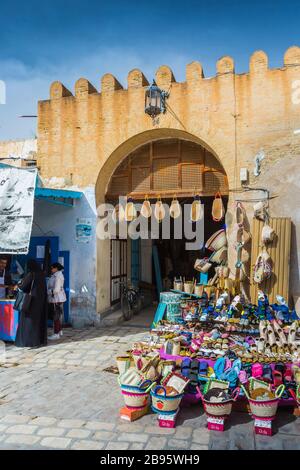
(137, 397)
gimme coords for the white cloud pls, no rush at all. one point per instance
(27, 84)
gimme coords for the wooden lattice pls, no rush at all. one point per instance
(164, 166)
(165, 174)
(192, 177)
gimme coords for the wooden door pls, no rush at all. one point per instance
(118, 268)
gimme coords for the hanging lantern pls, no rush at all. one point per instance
(155, 100)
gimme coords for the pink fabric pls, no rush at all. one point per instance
(243, 376)
(257, 370)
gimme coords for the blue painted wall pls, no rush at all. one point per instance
(55, 220)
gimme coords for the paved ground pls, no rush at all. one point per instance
(58, 397)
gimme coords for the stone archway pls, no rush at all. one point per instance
(104, 177)
(121, 152)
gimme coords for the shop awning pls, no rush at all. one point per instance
(63, 197)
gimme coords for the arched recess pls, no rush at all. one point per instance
(136, 142)
(135, 147)
(165, 167)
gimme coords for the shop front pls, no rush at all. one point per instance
(176, 173)
(232, 133)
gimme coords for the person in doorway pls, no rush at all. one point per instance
(5, 278)
(32, 327)
(56, 298)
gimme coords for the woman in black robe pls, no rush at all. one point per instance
(32, 328)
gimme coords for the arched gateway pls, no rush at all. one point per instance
(162, 167)
(85, 135)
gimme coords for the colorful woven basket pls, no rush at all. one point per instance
(137, 397)
(162, 403)
(265, 408)
(220, 409)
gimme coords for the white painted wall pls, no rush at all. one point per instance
(56, 220)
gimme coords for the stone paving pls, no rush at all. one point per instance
(59, 397)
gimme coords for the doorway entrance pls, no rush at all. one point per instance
(164, 168)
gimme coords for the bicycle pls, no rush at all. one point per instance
(130, 300)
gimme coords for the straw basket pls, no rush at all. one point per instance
(199, 289)
(265, 408)
(137, 397)
(189, 286)
(163, 404)
(123, 363)
(217, 241)
(220, 409)
(178, 284)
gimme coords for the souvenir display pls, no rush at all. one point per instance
(209, 345)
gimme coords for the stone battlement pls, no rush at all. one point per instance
(164, 76)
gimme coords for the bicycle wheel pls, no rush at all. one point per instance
(126, 309)
(137, 305)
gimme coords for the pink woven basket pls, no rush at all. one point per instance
(136, 400)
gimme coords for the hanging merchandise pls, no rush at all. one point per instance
(175, 208)
(245, 256)
(218, 209)
(240, 233)
(130, 211)
(240, 237)
(196, 209)
(202, 265)
(216, 241)
(159, 210)
(146, 209)
(263, 267)
(118, 214)
(267, 234)
(260, 210)
(219, 256)
(222, 271)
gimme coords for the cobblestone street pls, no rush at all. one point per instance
(59, 397)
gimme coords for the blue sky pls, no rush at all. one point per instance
(65, 40)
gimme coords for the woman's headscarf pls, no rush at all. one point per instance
(33, 266)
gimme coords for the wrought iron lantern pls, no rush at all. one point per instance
(155, 100)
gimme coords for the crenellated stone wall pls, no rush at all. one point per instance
(82, 137)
